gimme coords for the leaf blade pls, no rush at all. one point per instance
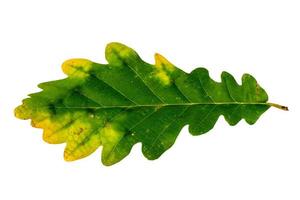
(128, 101)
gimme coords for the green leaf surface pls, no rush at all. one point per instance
(128, 101)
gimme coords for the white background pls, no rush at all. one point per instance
(242, 162)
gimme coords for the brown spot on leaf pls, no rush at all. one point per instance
(79, 131)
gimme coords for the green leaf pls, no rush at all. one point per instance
(127, 101)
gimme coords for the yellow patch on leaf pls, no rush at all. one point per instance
(110, 137)
(77, 67)
(163, 77)
(163, 69)
(109, 134)
(162, 63)
(56, 129)
(83, 139)
(117, 53)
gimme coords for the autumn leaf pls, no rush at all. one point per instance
(128, 101)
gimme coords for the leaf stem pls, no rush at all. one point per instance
(285, 108)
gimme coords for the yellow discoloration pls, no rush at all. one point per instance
(162, 63)
(77, 67)
(117, 53)
(41, 114)
(163, 77)
(83, 137)
(45, 123)
(23, 112)
(109, 134)
(110, 137)
(118, 48)
(55, 137)
(78, 130)
(75, 152)
(51, 125)
(56, 129)
(163, 69)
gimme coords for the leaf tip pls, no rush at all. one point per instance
(69, 156)
(162, 62)
(22, 112)
(77, 67)
(116, 52)
(107, 162)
